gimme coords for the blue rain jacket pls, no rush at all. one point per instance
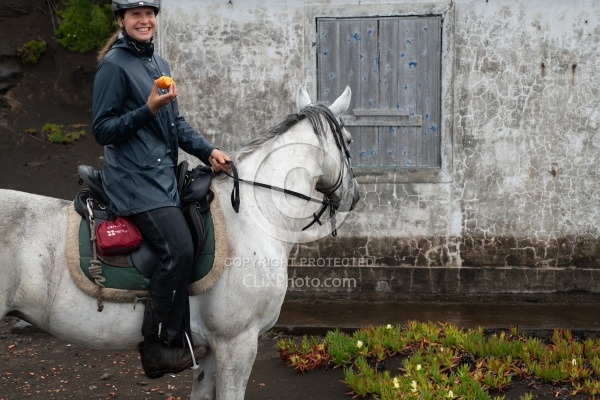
(140, 149)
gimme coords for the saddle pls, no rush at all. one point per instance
(92, 202)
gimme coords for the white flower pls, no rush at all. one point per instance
(450, 394)
(396, 383)
(359, 344)
(418, 367)
(389, 326)
(573, 362)
(413, 385)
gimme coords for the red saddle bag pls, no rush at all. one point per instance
(117, 237)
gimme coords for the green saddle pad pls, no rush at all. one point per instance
(129, 278)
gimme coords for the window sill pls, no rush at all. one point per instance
(401, 175)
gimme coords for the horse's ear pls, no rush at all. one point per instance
(342, 103)
(302, 99)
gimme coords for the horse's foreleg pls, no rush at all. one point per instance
(203, 387)
(234, 358)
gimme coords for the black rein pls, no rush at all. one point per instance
(326, 202)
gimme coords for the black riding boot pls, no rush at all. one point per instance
(164, 349)
(159, 359)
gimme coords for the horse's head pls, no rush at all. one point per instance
(307, 151)
(337, 182)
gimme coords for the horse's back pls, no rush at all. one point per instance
(22, 212)
(8, 196)
(30, 222)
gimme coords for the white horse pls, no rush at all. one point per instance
(36, 286)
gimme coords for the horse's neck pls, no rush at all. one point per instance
(289, 162)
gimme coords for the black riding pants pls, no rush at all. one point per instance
(167, 310)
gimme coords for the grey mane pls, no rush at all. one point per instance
(314, 116)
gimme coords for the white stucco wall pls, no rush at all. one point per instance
(517, 190)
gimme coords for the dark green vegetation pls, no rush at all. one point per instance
(32, 51)
(85, 25)
(441, 361)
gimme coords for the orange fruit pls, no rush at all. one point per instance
(164, 82)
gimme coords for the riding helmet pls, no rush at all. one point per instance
(121, 5)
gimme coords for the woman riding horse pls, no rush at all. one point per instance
(139, 126)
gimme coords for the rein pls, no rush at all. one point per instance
(326, 202)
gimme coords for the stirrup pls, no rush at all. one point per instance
(195, 366)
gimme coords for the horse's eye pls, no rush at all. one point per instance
(347, 136)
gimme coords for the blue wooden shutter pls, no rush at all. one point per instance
(393, 67)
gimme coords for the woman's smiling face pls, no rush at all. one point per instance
(139, 23)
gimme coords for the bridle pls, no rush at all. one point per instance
(326, 202)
